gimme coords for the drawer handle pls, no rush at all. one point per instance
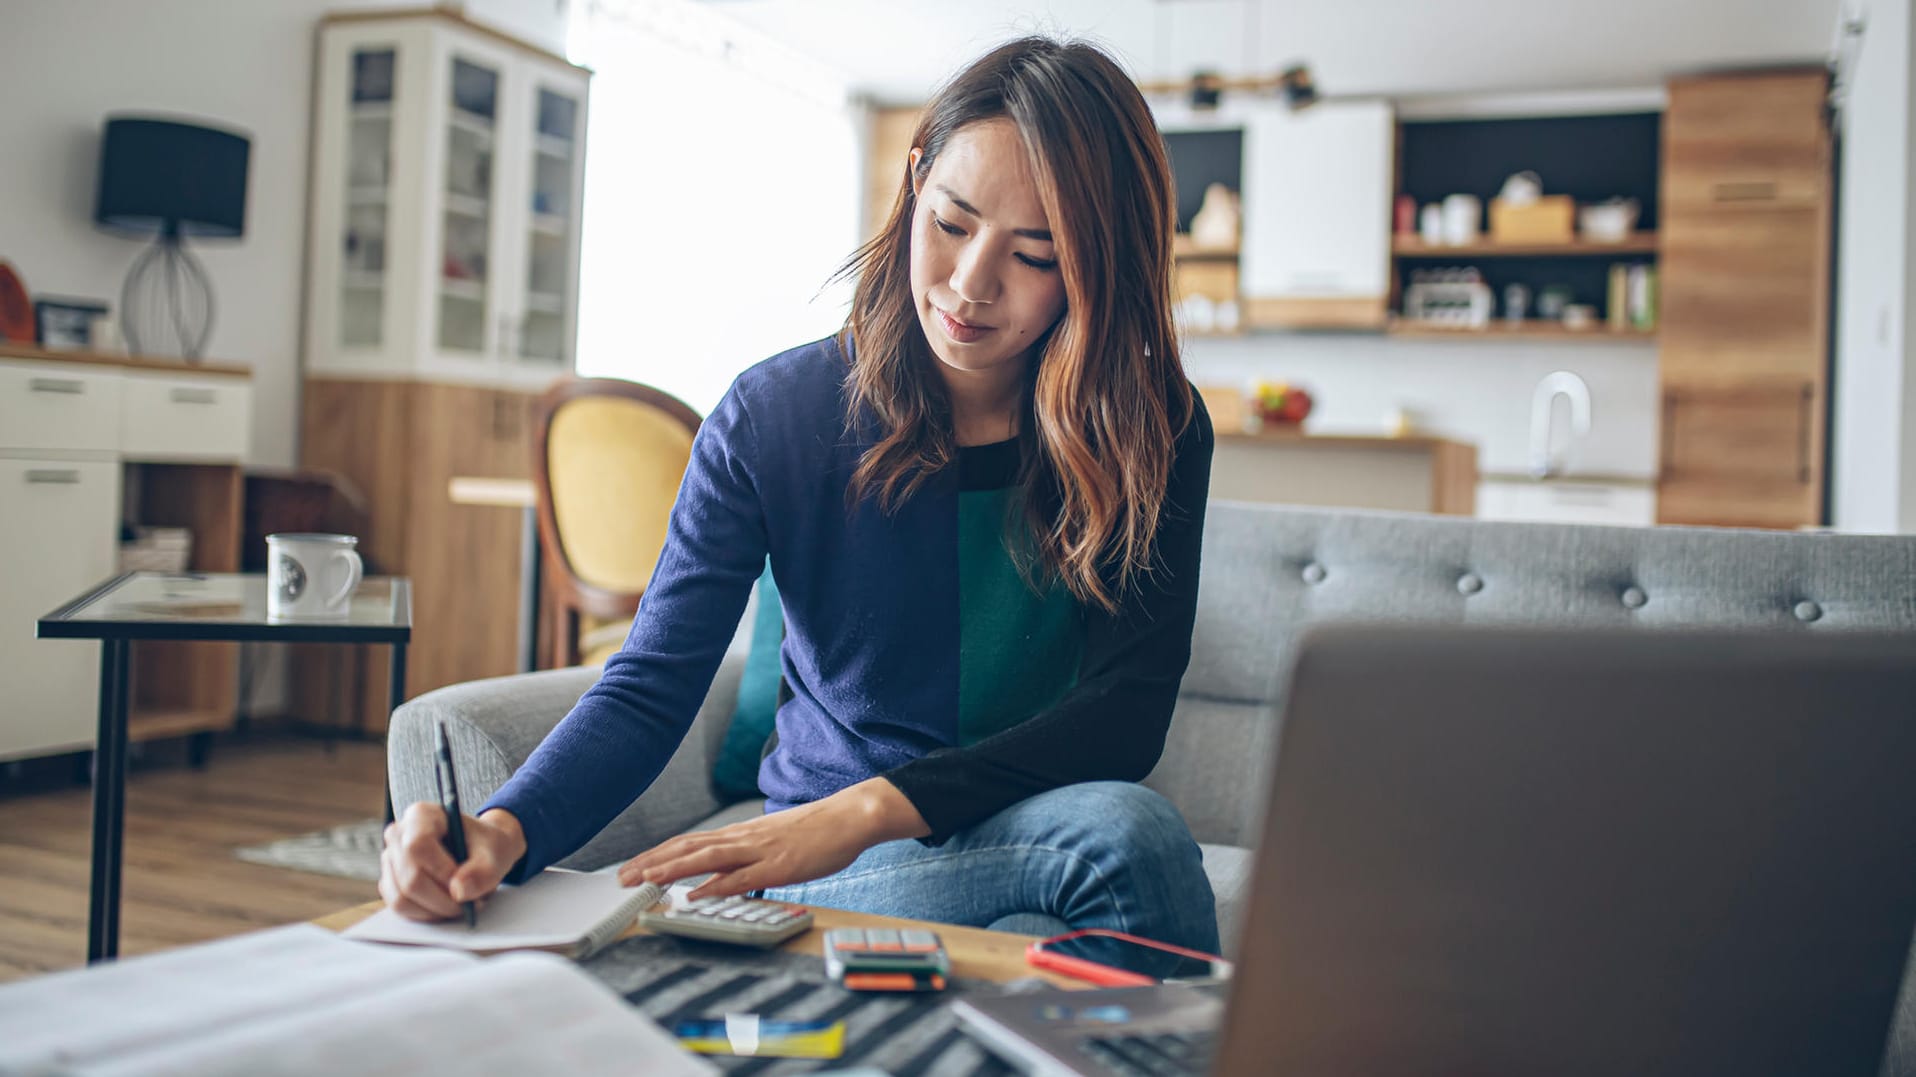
(194, 396)
(69, 386)
(69, 476)
(1667, 435)
(1761, 191)
(1804, 419)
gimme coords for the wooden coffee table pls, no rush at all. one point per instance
(997, 956)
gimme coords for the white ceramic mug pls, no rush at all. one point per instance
(311, 577)
(1463, 215)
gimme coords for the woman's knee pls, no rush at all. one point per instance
(1117, 817)
(1124, 814)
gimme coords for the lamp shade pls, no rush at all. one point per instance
(162, 175)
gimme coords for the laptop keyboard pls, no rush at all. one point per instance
(1164, 1054)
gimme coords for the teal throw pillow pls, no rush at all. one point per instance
(735, 773)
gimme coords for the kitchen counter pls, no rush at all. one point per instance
(1575, 497)
(1573, 478)
(30, 353)
(1414, 473)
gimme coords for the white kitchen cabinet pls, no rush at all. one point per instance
(1316, 214)
(88, 442)
(1567, 501)
(59, 525)
(448, 173)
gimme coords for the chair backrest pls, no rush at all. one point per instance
(608, 456)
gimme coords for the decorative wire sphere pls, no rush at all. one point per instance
(166, 307)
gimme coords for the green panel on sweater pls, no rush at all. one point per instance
(1017, 651)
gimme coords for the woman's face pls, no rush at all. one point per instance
(984, 274)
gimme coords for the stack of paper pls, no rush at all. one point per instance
(303, 1000)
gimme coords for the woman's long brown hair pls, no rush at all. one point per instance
(1107, 397)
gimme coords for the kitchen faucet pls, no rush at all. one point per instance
(1543, 419)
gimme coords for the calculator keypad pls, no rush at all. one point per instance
(737, 919)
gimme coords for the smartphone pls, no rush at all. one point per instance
(1113, 959)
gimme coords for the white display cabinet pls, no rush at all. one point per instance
(448, 169)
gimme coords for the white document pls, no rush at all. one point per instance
(302, 1000)
(570, 912)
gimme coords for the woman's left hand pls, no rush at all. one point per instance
(797, 845)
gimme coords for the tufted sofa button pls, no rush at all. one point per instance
(1807, 611)
(1633, 598)
(1314, 573)
(1469, 583)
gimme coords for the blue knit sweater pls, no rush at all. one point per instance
(907, 654)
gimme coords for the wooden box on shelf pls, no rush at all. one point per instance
(1550, 219)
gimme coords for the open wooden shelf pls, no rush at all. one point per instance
(1413, 247)
(1184, 250)
(1534, 329)
(158, 723)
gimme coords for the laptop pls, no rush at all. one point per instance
(1514, 851)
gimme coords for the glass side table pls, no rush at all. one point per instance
(228, 607)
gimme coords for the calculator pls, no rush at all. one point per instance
(739, 920)
(871, 959)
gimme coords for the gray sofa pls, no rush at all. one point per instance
(1269, 571)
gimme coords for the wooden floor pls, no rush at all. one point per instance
(182, 882)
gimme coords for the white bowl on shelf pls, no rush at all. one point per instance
(1608, 222)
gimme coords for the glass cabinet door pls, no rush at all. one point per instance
(466, 231)
(369, 150)
(544, 331)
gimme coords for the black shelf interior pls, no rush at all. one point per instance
(1199, 159)
(1590, 158)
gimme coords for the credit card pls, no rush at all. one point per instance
(749, 1035)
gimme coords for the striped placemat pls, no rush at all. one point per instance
(906, 1035)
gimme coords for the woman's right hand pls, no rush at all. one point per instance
(417, 877)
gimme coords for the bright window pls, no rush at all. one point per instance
(722, 182)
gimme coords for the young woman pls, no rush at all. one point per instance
(982, 502)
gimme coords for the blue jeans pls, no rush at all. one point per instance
(1097, 854)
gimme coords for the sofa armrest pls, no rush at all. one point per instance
(493, 726)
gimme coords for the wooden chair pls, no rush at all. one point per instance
(608, 456)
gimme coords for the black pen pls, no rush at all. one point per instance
(449, 800)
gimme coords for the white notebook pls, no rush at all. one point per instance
(567, 912)
(301, 1000)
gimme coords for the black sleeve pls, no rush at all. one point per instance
(1112, 723)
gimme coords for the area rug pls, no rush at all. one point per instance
(350, 851)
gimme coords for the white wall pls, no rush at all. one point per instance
(64, 64)
(1874, 426)
(898, 50)
(1475, 391)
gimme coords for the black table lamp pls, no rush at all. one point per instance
(171, 180)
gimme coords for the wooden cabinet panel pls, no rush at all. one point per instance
(464, 559)
(1744, 294)
(886, 154)
(1757, 140)
(1743, 457)
(1743, 355)
(358, 429)
(401, 443)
